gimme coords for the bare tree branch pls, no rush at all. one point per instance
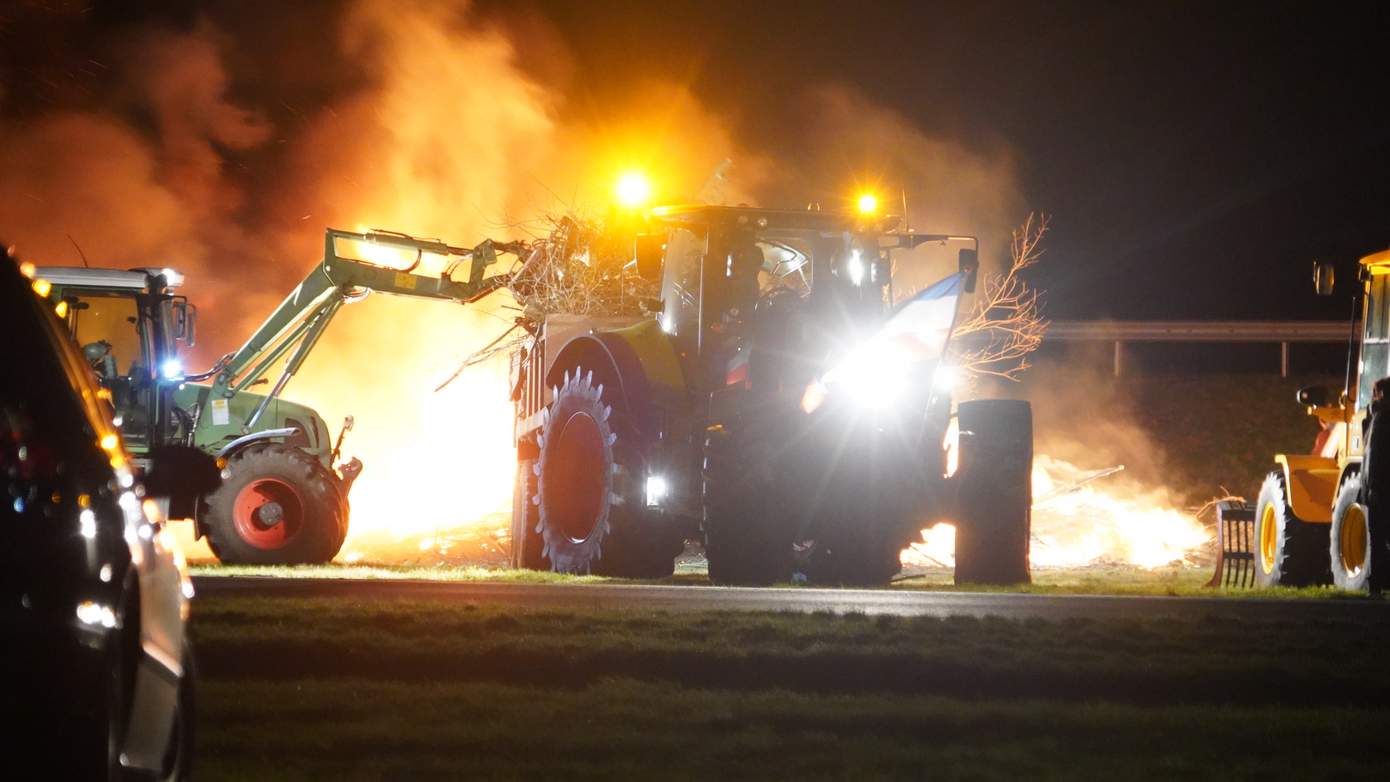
(1005, 324)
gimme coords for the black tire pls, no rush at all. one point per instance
(1349, 547)
(1288, 550)
(528, 546)
(100, 730)
(995, 492)
(747, 540)
(277, 506)
(592, 515)
(1375, 495)
(178, 758)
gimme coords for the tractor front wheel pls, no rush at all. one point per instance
(1288, 550)
(995, 492)
(277, 506)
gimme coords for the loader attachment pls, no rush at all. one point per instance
(1235, 547)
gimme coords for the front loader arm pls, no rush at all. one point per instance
(301, 318)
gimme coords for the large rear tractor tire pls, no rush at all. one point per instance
(746, 535)
(1288, 550)
(996, 495)
(277, 506)
(590, 489)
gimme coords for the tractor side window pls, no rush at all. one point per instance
(1375, 350)
(681, 285)
(113, 320)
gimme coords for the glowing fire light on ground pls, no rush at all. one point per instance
(1077, 524)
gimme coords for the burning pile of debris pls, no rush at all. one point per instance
(1084, 518)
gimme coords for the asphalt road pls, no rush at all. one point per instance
(645, 597)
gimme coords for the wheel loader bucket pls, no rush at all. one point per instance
(1235, 547)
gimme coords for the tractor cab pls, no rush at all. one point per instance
(1342, 415)
(732, 277)
(130, 325)
(1374, 361)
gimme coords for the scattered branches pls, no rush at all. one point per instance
(576, 267)
(1005, 324)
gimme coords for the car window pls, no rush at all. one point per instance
(92, 400)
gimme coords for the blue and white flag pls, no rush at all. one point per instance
(921, 328)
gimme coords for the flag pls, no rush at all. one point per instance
(921, 328)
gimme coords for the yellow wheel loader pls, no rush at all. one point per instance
(1324, 517)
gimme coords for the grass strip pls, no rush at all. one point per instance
(1199, 659)
(349, 729)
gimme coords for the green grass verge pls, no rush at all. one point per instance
(351, 729)
(1176, 581)
(1197, 657)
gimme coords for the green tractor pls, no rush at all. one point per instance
(283, 497)
(780, 400)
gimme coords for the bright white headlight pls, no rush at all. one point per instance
(171, 369)
(946, 378)
(656, 490)
(873, 374)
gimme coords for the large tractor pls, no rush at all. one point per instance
(283, 496)
(1325, 516)
(779, 400)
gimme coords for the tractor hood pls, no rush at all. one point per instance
(220, 421)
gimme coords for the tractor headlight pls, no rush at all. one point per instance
(656, 490)
(171, 369)
(875, 375)
(946, 378)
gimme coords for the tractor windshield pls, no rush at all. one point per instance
(108, 327)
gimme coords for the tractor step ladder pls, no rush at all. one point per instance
(1235, 545)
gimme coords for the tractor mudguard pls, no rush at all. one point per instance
(638, 362)
(1312, 483)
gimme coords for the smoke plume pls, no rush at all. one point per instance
(225, 146)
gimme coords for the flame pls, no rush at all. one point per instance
(1103, 521)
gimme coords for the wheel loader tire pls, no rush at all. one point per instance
(1375, 494)
(527, 542)
(1350, 550)
(1288, 550)
(746, 538)
(276, 506)
(589, 489)
(996, 495)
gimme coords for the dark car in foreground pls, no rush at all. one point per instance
(97, 671)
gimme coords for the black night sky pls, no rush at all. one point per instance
(1195, 157)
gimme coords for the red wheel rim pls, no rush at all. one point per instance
(574, 485)
(267, 512)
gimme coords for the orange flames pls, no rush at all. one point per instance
(1076, 523)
